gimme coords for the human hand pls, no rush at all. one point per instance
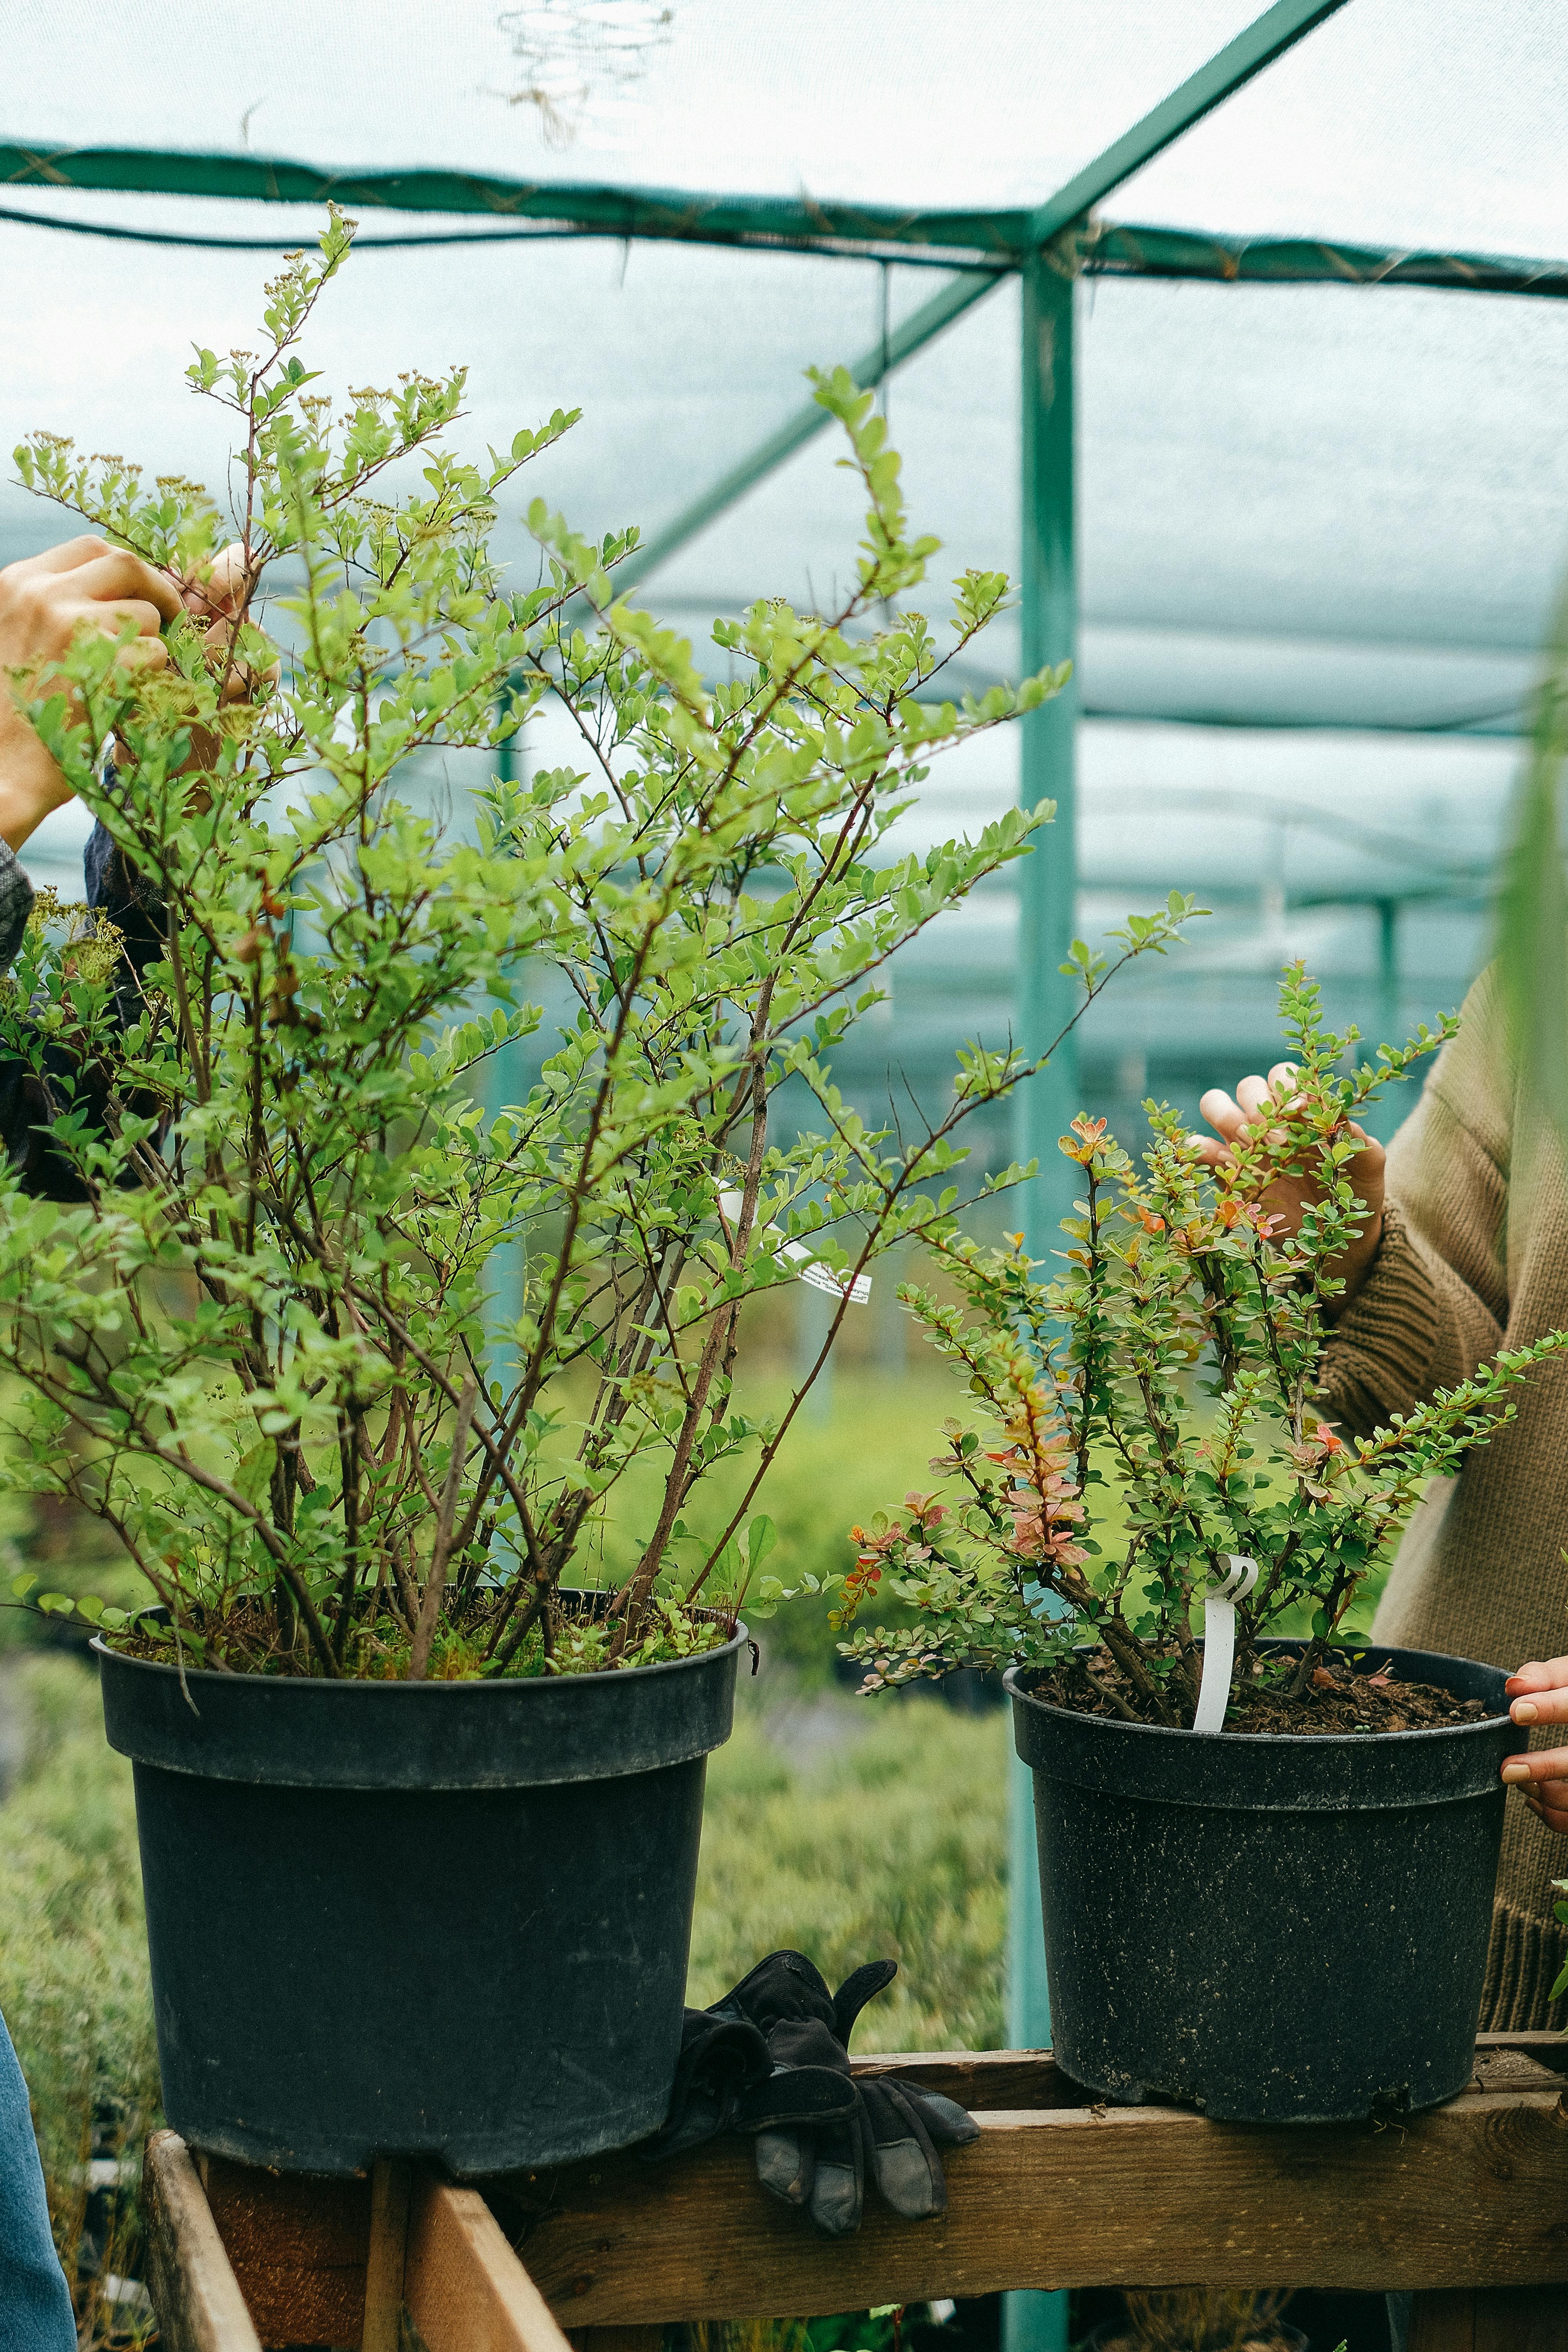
(1539, 1694)
(218, 597)
(44, 600)
(1259, 1102)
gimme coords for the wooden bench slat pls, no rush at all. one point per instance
(982, 2079)
(978, 2079)
(386, 2255)
(193, 2289)
(465, 2289)
(1471, 2194)
(1551, 2049)
(1055, 2193)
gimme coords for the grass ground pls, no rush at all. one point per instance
(73, 1968)
(894, 1847)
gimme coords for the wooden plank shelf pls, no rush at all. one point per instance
(1466, 2204)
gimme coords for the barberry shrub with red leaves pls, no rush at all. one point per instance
(1157, 1408)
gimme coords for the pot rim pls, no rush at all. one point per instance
(1316, 1741)
(511, 1684)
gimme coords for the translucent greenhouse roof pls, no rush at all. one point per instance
(1303, 504)
(1323, 489)
(1429, 122)
(814, 99)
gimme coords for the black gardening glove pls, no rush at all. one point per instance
(892, 2129)
(726, 2079)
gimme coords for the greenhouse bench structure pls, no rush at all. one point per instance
(1466, 2204)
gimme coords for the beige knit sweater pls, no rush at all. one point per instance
(1474, 1257)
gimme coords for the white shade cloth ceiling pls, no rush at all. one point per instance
(1309, 506)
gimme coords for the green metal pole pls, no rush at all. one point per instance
(1046, 999)
(1044, 1003)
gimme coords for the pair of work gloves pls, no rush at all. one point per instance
(773, 2059)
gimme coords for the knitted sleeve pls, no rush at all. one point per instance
(1434, 1304)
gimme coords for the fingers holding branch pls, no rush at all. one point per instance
(217, 595)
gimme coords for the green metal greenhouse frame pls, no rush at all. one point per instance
(1049, 246)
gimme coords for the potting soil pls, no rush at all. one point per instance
(1350, 1692)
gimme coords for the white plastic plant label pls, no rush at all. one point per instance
(1219, 1640)
(820, 1277)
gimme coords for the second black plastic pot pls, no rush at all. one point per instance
(391, 1917)
(1277, 1928)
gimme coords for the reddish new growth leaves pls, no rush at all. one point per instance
(1088, 1134)
(1037, 1491)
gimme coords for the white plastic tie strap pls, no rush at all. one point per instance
(857, 1290)
(1219, 1640)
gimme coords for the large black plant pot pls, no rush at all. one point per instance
(1275, 1930)
(390, 1917)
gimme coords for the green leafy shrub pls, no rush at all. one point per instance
(264, 1348)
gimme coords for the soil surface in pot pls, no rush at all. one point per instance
(1337, 1698)
(247, 1638)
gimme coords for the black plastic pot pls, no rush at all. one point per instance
(395, 1917)
(1275, 1930)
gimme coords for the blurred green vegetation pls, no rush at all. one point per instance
(891, 1847)
(64, 1547)
(73, 1967)
(833, 1470)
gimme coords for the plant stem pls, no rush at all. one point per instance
(435, 1582)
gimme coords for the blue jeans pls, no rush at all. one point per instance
(35, 2302)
